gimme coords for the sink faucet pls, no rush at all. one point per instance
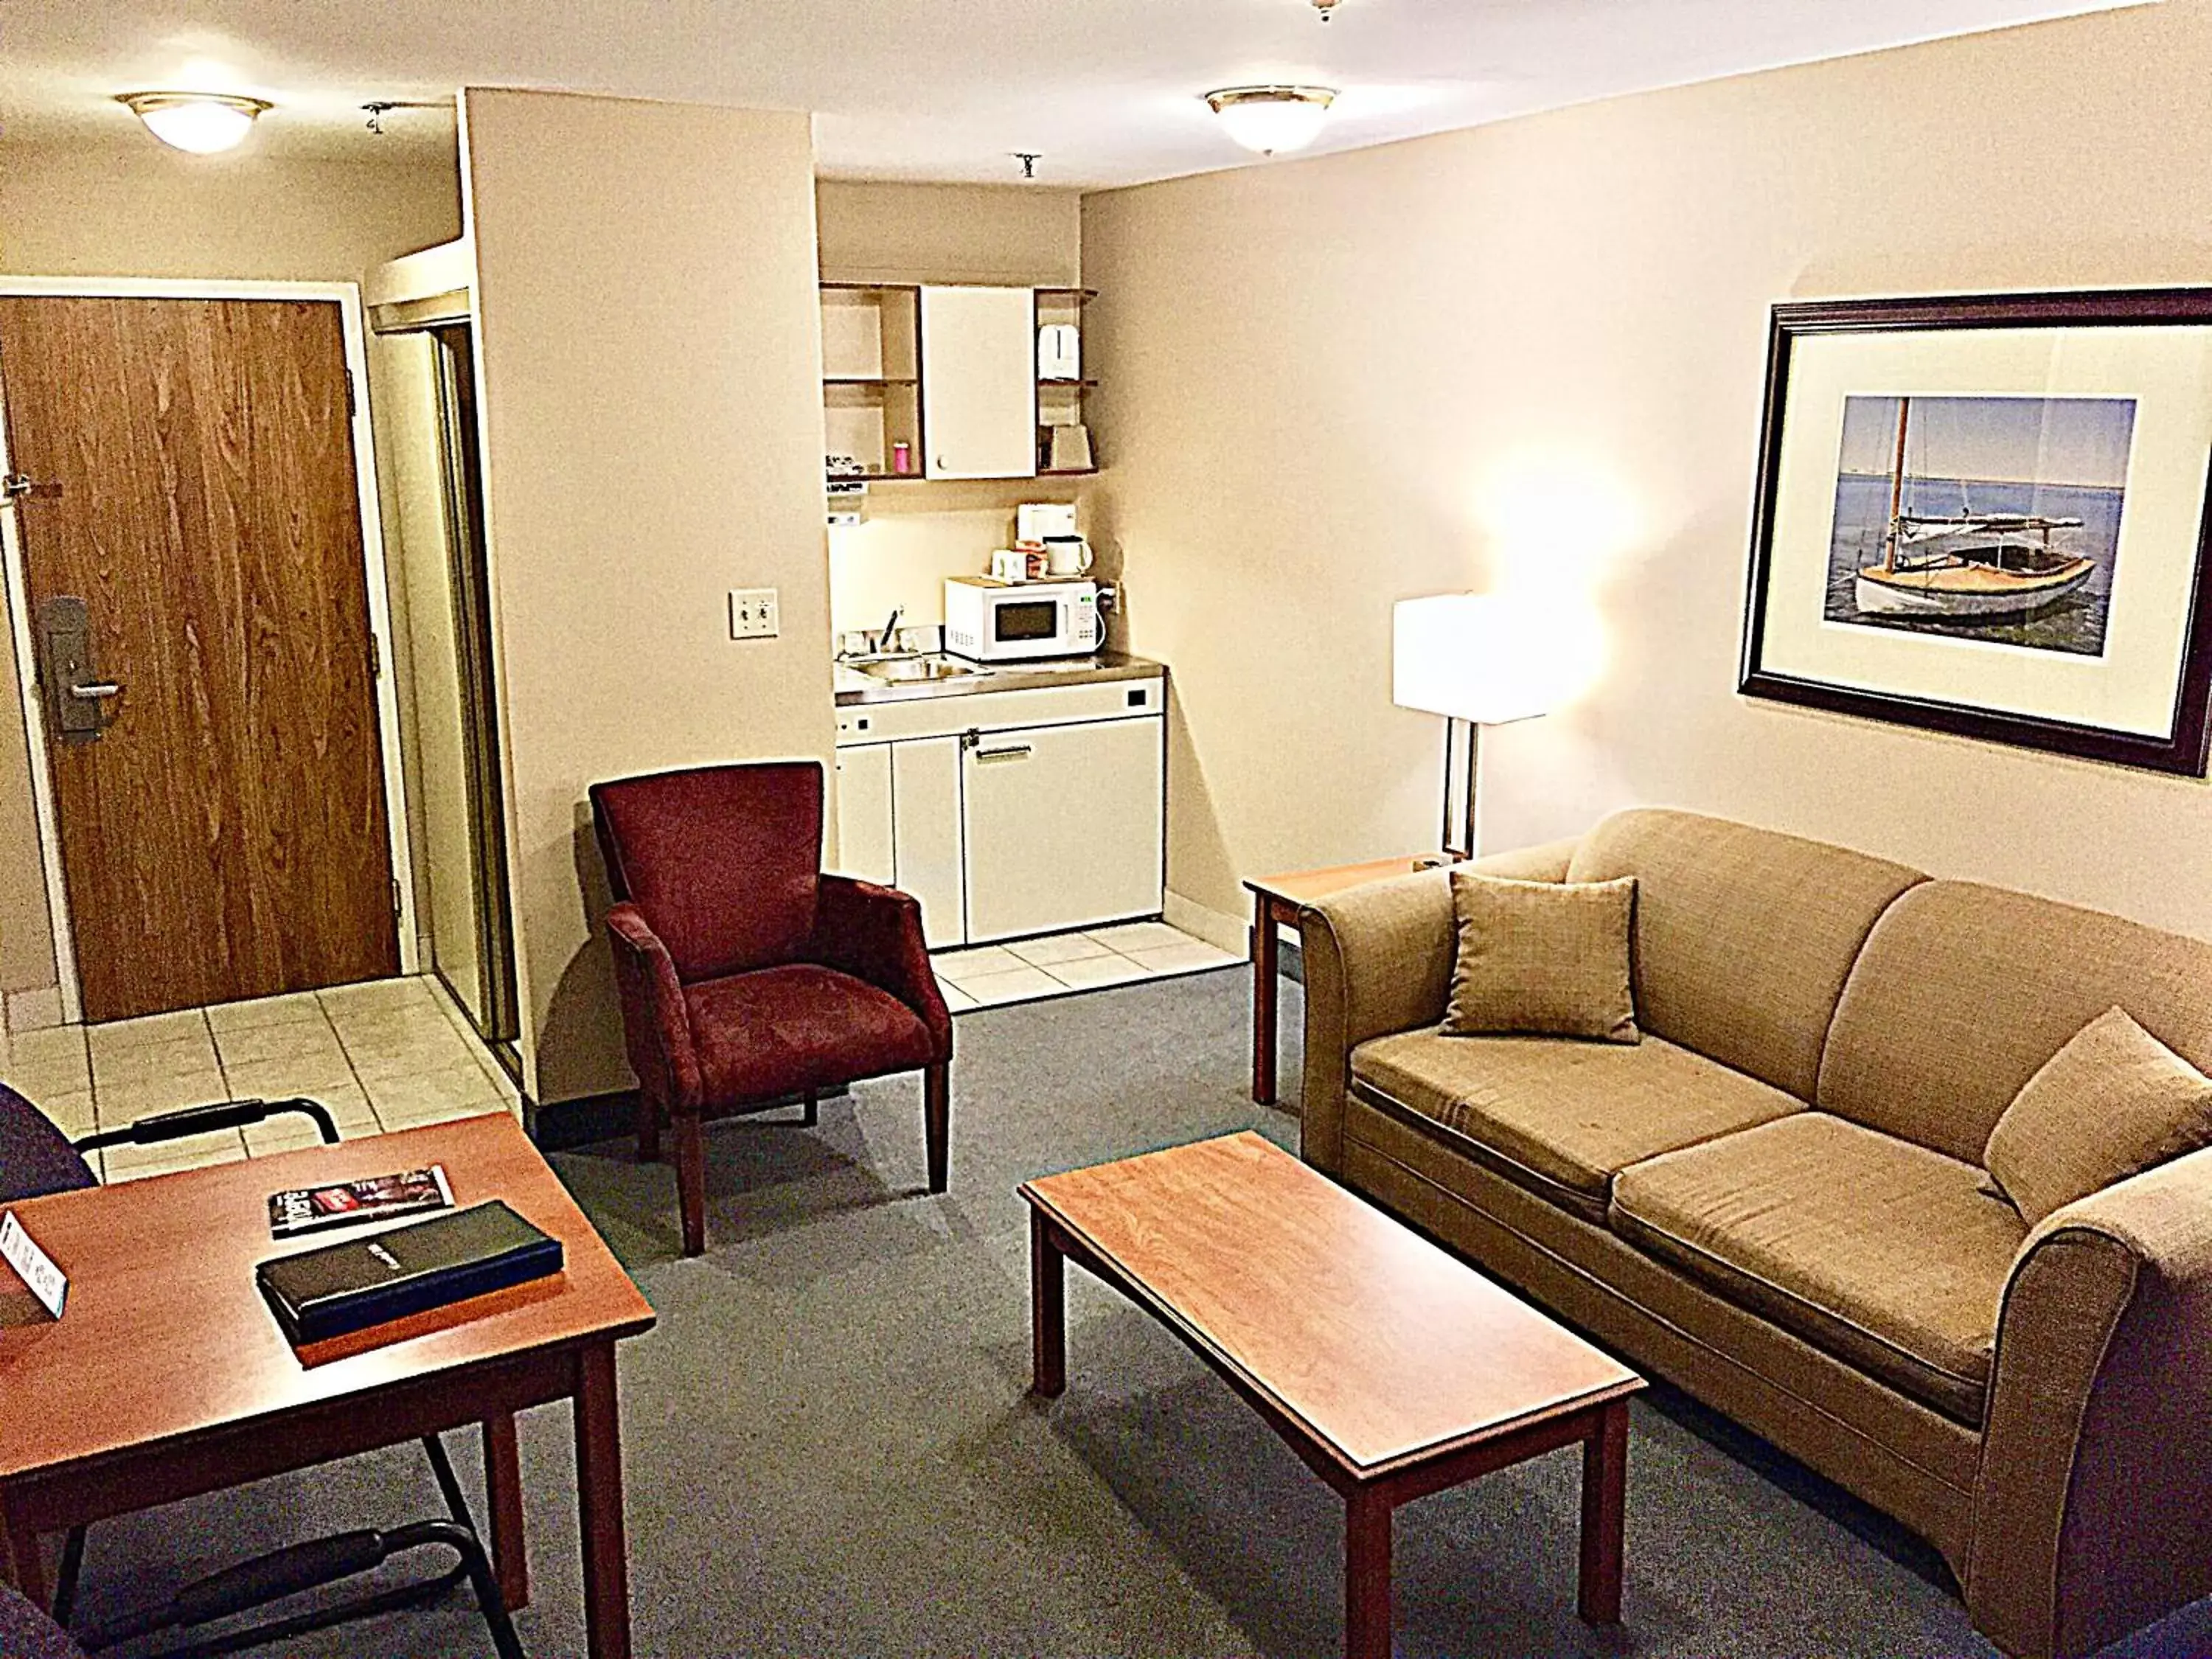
(888, 638)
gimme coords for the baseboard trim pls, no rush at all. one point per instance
(1222, 931)
(35, 1010)
(565, 1124)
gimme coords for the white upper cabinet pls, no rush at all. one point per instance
(979, 410)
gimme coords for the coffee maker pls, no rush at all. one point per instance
(1051, 526)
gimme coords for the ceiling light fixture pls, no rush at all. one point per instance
(201, 122)
(1272, 119)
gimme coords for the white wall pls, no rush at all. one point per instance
(1538, 347)
(650, 365)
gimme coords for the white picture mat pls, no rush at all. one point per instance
(2166, 370)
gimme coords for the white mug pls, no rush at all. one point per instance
(1066, 556)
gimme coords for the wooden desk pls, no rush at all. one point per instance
(1276, 901)
(1392, 1369)
(168, 1376)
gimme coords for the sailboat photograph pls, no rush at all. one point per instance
(1989, 518)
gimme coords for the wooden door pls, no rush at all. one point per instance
(224, 835)
(979, 382)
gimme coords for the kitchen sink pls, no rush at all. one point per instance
(902, 670)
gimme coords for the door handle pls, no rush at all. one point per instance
(1016, 751)
(97, 692)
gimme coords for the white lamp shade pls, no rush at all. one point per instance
(1472, 657)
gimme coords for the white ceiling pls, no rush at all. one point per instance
(1107, 89)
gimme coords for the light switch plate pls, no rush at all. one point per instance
(752, 613)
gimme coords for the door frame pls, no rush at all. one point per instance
(353, 326)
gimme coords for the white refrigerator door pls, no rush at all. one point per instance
(1065, 827)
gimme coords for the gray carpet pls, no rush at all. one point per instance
(829, 1451)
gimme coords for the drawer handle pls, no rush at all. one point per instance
(1018, 751)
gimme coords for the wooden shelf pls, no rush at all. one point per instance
(872, 288)
(1045, 384)
(869, 379)
(1077, 296)
(1066, 472)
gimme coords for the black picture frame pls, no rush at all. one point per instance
(2185, 750)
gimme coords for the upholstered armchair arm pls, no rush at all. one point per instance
(1379, 959)
(2094, 1506)
(656, 1029)
(874, 933)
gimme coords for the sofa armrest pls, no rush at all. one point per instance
(874, 933)
(1547, 862)
(656, 1027)
(1378, 959)
(2093, 1505)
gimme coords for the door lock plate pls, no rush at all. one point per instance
(76, 697)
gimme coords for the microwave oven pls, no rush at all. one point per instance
(987, 620)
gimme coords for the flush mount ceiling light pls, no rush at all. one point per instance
(201, 122)
(1272, 119)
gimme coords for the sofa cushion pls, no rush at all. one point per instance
(1882, 1253)
(1743, 937)
(1963, 991)
(2115, 1101)
(1542, 958)
(1560, 1118)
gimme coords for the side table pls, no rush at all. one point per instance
(1276, 901)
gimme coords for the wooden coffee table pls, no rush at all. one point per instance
(1392, 1369)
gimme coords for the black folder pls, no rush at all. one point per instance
(347, 1287)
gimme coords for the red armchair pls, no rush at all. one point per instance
(747, 976)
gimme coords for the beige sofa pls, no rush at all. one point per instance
(1777, 1201)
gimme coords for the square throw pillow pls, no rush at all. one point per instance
(1546, 958)
(2114, 1101)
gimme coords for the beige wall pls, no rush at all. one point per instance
(1535, 351)
(141, 209)
(918, 534)
(650, 365)
(887, 233)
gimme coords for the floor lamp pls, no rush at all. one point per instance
(1475, 659)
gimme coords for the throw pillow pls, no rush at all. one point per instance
(2115, 1101)
(1544, 957)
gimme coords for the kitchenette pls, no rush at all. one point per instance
(1000, 766)
(994, 757)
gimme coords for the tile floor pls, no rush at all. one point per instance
(1063, 963)
(395, 1053)
(389, 1054)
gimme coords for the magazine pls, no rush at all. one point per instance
(378, 1198)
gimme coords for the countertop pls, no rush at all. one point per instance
(855, 687)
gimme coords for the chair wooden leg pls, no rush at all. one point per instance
(937, 1121)
(648, 1128)
(691, 1181)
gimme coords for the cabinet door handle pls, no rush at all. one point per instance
(1017, 752)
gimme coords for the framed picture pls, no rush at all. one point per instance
(1987, 515)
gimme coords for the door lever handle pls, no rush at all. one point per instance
(96, 692)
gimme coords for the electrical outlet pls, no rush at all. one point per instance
(752, 613)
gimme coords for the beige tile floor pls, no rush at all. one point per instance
(389, 1054)
(1062, 963)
